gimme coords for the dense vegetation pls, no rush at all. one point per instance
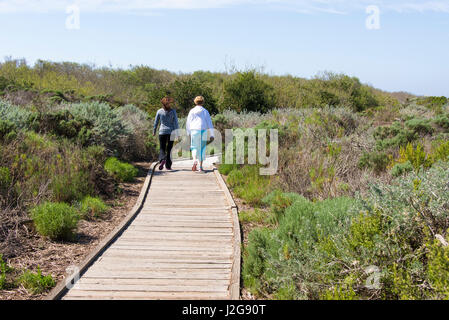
(359, 208)
(48, 83)
(361, 192)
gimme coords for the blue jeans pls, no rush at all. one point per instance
(198, 144)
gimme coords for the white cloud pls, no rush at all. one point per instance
(146, 6)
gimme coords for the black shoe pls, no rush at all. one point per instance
(162, 165)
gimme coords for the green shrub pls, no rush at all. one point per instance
(323, 250)
(36, 283)
(4, 270)
(256, 259)
(248, 92)
(220, 122)
(70, 186)
(135, 145)
(248, 185)
(226, 169)
(363, 98)
(420, 126)
(417, 157)
(58, 221)
(434, 103)
(92, 208)
(5, 178)
(185, 91)
(394, 136)
(107, 128)
(443, 121)
(4, 83)
(441, 152)
(17, 115)
(400, 169)
(121, 171)
(63, 124)
(438, 269)
(42, 167)
(378, 161)
(279, 202)
(252, 216)
(7, 130)
(275, 258)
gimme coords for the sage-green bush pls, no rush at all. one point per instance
(91, 207)
(121, 171)
(57, 221)
(330, 249)
(36, 283)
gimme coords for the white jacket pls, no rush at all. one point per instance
(199, 119)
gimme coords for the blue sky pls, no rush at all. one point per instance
(302, 38)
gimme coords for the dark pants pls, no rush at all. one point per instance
(165, 149)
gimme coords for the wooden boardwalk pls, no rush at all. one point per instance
(184, 243)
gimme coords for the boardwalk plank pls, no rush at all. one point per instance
(180, 245)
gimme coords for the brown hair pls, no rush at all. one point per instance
(166, 102)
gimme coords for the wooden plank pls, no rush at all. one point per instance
(161, 217)
(164, 254)
(235, 276)
(183, 205)
(106, 274)
(182, 229)
(166, 244)
(174, 236)
(156, 282)
(118, 269)
(187, 192)
(168, 223)
(135, 295)
(136, 259)
(123, 259)
(169, 242)
(147, 288)
(166, 265)
(132, 249)
(176, 232)
(186, 211)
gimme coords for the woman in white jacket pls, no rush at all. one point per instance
(198, 123)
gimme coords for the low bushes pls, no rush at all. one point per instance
(41, 167)
(122, 131)
(36, 283)
(389, 245)
(121, 171)
(91, 208)
(7, 130)
(284, 260)
(4, 269)
(248, 184)
(248, 92)
(58, 221)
